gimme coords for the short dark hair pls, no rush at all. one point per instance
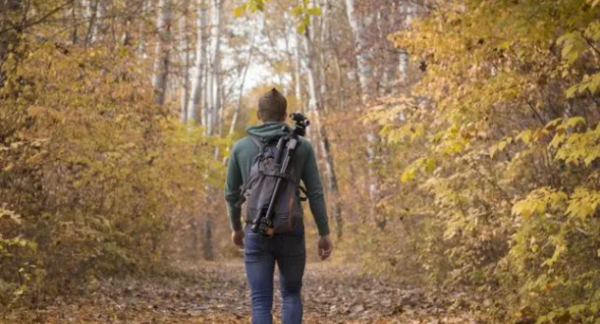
(272, 106)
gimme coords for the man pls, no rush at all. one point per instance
(285, 249)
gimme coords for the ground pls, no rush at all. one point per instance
(217, 293)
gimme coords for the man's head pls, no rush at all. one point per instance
(272, 107)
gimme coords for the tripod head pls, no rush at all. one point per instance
(301, 123)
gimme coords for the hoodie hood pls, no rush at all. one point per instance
(269, 131)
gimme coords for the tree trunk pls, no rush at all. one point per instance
(213, 108)
(163, 51)
(93, 14)
(236, 112)
(298, 72)
(341, 86)
(407, 10)
(315, 108)
(367, 86)
(185, 60)
(208, 242)
(323, 53)
(214, 82)
(199, 67)
(142, 47)
(363, 59)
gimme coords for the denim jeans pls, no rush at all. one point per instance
(289, 252)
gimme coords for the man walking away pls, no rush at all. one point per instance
(287, 249)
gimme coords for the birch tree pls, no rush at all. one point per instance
(185, 60)
(213, 77)
(406, 12)
(163, 50)
(213, 92)
(367, 87)
(315, 107)
(236, 112)
(298, 69)
(197, 84)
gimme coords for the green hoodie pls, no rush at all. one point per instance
(305, 163)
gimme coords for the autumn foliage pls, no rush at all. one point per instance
(95, 176)
(494, 155)
(480, 173)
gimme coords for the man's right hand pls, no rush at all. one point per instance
(238, 238)
(325, 247)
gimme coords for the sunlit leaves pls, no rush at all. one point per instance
(513, 131)
(583, 203)
(589, 83)
(250, 5)
(302, 12)
(539, 201)
(500, 147)
(426, 165)
(573, 45)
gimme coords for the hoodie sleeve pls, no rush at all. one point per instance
(233, 192)
(314, 191)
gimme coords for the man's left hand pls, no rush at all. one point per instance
(238, 238)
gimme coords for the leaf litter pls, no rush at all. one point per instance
(217, 293)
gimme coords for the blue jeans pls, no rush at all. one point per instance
(261, 254)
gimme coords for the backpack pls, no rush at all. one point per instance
(259, 188)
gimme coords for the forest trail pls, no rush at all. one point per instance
(217, 293)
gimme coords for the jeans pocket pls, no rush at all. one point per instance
(255, 246)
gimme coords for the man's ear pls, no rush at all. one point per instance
(258, 115)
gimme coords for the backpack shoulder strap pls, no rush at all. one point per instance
(257, 141)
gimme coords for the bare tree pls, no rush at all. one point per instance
(238, 106)
(197, 84)
(184, 51)
(163, 50)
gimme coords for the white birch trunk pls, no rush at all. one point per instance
(236, 112)
(91, 10)
(407, 11)
(185, 60)
(213, 109)
(315, 107)
(323, 53)
(365, 78)
(214, 82)
(142, 47)
(163, 51)
(298, 72)
(197, 83)
(364, 68)
(341, 87)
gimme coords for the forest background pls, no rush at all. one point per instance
(458, 139)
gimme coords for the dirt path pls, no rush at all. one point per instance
(217, 293)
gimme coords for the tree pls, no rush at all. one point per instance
(197, 84)
(367, 90)
(163, 50)
(316, 108)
